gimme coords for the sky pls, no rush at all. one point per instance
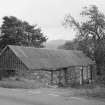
(47, 14)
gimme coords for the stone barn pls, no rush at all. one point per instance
(46, 65)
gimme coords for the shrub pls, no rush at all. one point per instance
(18, 84)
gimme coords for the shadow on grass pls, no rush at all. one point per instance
(91, 90)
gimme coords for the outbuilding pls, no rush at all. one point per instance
(46, 65)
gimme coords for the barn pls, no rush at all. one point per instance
(46, 65)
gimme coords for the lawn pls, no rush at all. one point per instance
(90, 91)
(19, 84)
(94, 91)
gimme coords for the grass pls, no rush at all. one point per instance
(92, 91)
(19, 84)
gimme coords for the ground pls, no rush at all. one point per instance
(43, 97)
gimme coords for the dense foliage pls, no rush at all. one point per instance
(90, 34)
(18, 32)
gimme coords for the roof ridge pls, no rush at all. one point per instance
(43, 48)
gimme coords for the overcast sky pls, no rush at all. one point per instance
(48, 14)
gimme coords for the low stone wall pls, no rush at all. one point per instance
(44, 77)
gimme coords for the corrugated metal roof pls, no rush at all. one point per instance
(42, 58)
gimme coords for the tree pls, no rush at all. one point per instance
(90, 34)
(18, 32)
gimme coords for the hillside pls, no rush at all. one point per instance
(54, 44)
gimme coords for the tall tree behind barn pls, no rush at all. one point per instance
(18, 32)
(90, 34)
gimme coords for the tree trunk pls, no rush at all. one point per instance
(98, 69)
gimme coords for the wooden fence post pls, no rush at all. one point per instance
(90, 80)
(51, 77)
(81, 76)
(65, 71)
